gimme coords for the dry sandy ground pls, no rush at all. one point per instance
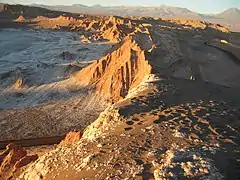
(67, 111)
(180, 129)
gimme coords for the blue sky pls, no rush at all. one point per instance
(202, 6)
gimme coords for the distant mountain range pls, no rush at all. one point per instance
(229, 18)
(230, 14)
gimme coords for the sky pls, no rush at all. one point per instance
(200, 6)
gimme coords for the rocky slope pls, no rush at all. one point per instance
(122, 69)
(174, 89)
(169, 133)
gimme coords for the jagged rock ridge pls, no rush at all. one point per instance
(122, 69)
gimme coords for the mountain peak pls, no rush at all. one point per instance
(231, 10)
(79, 5)
(97, 5)
(234, 9)
(232, 13)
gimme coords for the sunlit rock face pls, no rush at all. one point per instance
(122, 69)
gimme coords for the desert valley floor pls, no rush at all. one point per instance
(108, 97)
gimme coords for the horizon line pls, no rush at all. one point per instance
(122, 5)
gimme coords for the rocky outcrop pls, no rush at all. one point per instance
(112, 28)
(20, 19)
(71, 138)
(116, 33)
(115, 29)
(108, 119)
(18, 84)
(12, 159)
(122, 69)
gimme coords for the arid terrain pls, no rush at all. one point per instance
(136, 97)
(229, 17)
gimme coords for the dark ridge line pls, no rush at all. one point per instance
(33, 141)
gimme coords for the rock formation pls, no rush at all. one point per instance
(71, 138)
(12, 159)
(20, 19)
(122, 69)
(18, 84)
